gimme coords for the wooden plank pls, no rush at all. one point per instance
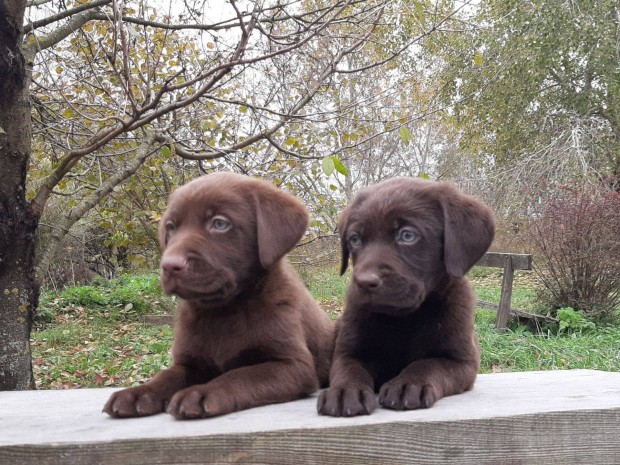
(559, 417)
(518, 313)
(497, 260)
(158, 319)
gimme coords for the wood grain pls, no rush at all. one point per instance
(498, 260)
(559, 417)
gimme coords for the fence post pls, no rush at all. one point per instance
(506, 295)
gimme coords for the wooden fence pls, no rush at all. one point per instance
(509, 262)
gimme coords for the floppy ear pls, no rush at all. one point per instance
(468, 231)
(342, 230)
(281, 221)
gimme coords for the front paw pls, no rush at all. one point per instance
(347, 401)
(199, 402)
(399, 394)
(135, 402)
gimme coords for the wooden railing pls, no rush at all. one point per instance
(509, 262)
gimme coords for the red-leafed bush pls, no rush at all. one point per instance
(576, 241)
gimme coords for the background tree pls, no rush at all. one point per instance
(533, 97)
(535, 76)
(120, 89)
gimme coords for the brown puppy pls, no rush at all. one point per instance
(407, 329)
(247, 332)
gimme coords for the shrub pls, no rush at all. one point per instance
(125, 298)
(571, 321)
(576, 244)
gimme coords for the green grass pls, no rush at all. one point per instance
(521, 350)
(93, 336)
(329, 288)
(90, 336)
(523, 299)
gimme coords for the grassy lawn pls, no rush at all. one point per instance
(93, 335)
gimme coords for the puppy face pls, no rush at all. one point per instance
(222, 232)
(406, 236)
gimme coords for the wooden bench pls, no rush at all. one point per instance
(558, 417)
(509, 262)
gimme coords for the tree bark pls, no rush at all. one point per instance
(18, 224)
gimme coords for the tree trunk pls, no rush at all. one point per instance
(18, 224)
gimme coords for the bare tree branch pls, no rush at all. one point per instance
(65, 14)
(32, 3)
(42, 42)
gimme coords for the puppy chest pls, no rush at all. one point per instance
(394, 339)
(220, 345)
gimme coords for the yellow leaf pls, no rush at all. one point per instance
(478, 58)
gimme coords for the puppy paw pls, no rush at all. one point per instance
(134, 402)
(399, 394)
(347, 401)
(198, 402)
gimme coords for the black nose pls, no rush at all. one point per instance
(367, 280)
(173, 263)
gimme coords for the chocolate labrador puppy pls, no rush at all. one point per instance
(407, 330)
(247, 331)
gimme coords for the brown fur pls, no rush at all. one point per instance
(247, 331)
(407, 331)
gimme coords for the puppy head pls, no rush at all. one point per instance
(406, 235)
(222, 232)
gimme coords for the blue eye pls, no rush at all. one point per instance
(407, 235)
(355, 240)
(220, 224)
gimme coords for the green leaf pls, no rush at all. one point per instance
(166, 152)
(328, 165)
(332, 187)
(2, 131)
(478, 58)
(243, 109)
(209, 124)
(405, 134)
(290, 141)
(418, 12)
(424, 176)
(339, 166)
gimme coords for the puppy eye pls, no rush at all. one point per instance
(355, 240)
(169, 227)
(220, 224)
(407, 236)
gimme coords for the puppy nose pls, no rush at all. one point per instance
(173, 263)
(367, 280)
